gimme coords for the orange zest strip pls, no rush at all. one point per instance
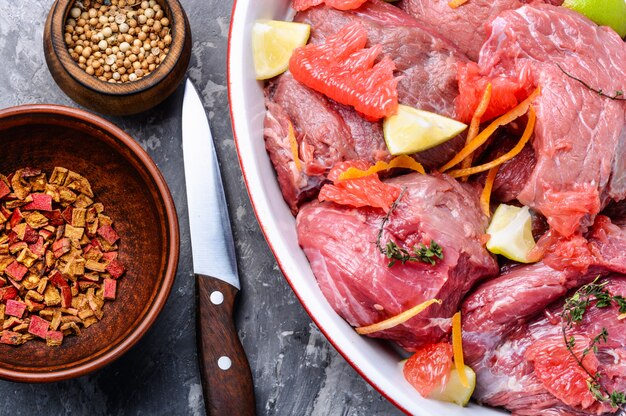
(457, 347)
(457, 3)
(485, 197)
(402, 161)
(396, 320)
(475, 124)
(294, 147)
(479, 140)
(528, 132)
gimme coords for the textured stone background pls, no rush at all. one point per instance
(296, 371)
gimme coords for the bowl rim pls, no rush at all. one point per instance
(173, 250)
(92, 83)
(264, 228)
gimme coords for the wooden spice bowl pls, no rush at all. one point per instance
(117, 98)
(126, 180)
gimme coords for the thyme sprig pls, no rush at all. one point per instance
(617, 95)
(391, 250)
(573, 313)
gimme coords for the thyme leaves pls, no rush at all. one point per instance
(617, 95)
(422, 253)
(573, 313)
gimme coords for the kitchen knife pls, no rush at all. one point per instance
(226, 378)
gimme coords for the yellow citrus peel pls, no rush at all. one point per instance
(485, 197)
(475, 123)
(515, 113)
(528, 132)
(457, 348)
(402, 161)
(457, 3)
(294, 147)
(396, 320)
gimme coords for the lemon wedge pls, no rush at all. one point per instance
(511, 233)
(411, 130)
(610, 13)
(273, 42)
(454, 391)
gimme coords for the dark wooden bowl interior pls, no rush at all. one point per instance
(132, 190)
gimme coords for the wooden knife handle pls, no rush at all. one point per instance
(226, 376)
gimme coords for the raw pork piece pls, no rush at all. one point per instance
(466, 26)
(580, 137)
(340, 243)
(327, 132)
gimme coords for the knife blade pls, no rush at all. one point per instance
(225, 372)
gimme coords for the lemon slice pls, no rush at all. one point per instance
(273, 42)
(411, 130)
(511, 233)
(610, 13)
(454, 391)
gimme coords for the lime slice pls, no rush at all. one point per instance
(610, 13)
(454, 391)
(511, 233)
(273, 42)
(411, 130)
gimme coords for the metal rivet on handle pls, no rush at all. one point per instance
(217, 297)
(224, 363)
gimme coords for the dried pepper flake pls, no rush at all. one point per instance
(108, 233)
(4, 189)
(11, 338)
(59, 259)
(110, 288)
(38, 326)
(54, 338)
(16, 271)
(15, 308)
(41, 202)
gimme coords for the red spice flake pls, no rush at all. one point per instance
(30, 235)
(67, 214)
(54, 217)
(66, 296)
(16, 271)
(110, 288)
(38, 326)
(62, 246)
(38, 248)
(16, 217)
(54, 338)
(108, 233)
(4, 189)
(10, 337)
(58, 256)
(41, 202)
(345, 71)
(115, 269)
(8, 292)
(15, 308)
(109, 256)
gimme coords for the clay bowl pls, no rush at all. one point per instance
(117, 99)
(135, 195)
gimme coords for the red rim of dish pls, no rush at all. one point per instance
(265, 234)
(173, 250)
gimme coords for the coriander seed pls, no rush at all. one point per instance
(117, 40)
